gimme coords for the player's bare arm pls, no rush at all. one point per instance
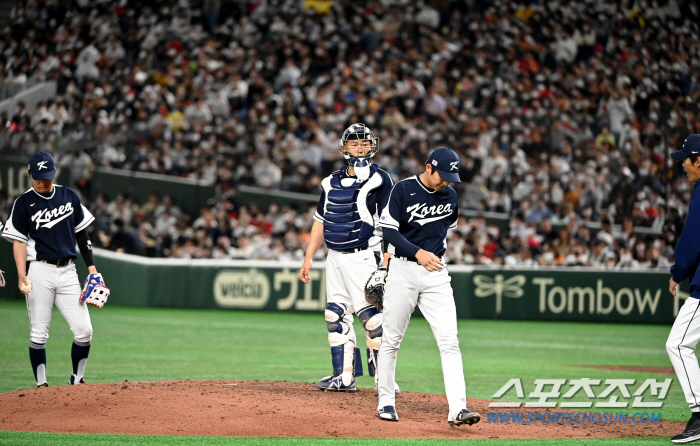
(19, 249)
(315, 241)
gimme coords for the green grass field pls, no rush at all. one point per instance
(154, 344)
(31, 439)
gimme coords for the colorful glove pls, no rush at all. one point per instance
(94, 291)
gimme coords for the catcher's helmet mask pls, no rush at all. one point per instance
(361, 132)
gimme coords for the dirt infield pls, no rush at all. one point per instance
(267, 409)
(631, 368)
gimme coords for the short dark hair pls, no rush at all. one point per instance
(693, 158)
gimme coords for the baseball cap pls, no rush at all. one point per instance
(446, 161)
(691, 147)
(41, 166)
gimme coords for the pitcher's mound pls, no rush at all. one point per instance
(270, 409)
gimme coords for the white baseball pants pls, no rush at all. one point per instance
(346, 275)
(62, 287)
(681, 345)
(409, 284)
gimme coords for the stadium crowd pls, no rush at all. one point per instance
(563, 112)
(159, 228)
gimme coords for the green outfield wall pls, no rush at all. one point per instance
(550, 294)
(190, 195)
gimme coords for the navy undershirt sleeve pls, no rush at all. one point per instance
(397, 239)
(85, 247)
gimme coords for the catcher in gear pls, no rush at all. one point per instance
(46, 222)
(346, 219)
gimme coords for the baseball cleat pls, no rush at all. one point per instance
(388, 413)
(42, 385)
(465, 417)
(335, 384)
(691, 432)
(72, 380)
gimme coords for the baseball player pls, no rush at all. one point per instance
(685, 332)
(45, 222)
(346, 218)
(415, 222)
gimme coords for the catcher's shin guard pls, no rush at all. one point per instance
(341, 337)
(339, 360)
(347, 362)
(358, 362)
(372, 320)
(372, 356)
(344, 367)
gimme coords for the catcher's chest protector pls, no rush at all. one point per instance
(349, 209)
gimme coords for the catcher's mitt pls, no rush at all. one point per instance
(374, 288)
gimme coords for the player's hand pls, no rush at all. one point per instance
(304, 271)
(672, 286)
(25, 283)
(430, 261)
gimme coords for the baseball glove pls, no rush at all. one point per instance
(95, 292)
(374, 288)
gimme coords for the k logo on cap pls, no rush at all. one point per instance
(445, 156)
(41, 166)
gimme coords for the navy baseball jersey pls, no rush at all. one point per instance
(47, 223)
(420, 214)
(349, 208)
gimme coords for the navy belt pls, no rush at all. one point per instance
(408, 259)
(60, 263)
(351, 250)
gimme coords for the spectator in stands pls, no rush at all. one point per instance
(123, 240)
(79, 165)
(539, 115)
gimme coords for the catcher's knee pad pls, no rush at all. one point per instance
(372, 320)
(336, 339)
(335, 318)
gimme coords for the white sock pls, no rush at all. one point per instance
(41, 374)
(81, 370)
